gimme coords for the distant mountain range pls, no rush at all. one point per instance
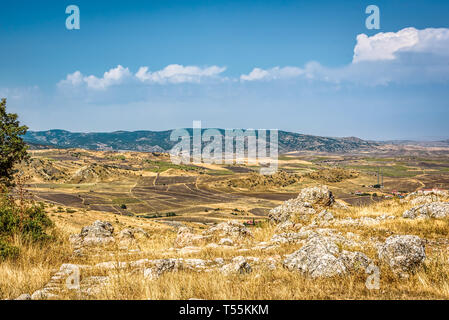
(159, 141)
(442, 143)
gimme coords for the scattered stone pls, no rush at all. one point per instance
(317, 258)
(132, 233)
(320, 257)
(43, 294)
(288, 237)
(305, 205)
(426, 196)
(354, 261)
(238, 265)
(403, 253)
(226, 242)
(162, 266)
(185, 238)
(435, 210)
(99, 233)
(233, 229)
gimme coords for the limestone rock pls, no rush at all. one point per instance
(403, 253)
(431, 210)
(320, 257)
(233, 229)
(99, 233)
(305, 205)
(226, 242)
(162, 266)
(185, 237)
(238, 265)
(132, 233)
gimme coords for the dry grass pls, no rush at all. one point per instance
(33, 268)
(36, 264)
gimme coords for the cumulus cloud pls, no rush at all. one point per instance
(406, 56)
(112, 77)
(176, 73)
(173, 74)
(387, 46)
(272, 74)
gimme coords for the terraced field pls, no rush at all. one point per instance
(148, 185)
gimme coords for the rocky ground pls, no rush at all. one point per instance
(313, 246)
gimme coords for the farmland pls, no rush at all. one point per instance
(148, 185)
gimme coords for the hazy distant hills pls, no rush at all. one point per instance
(159, 141)
(440, 144)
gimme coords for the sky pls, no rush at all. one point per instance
(311, 67)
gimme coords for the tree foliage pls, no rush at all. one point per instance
(12, 147)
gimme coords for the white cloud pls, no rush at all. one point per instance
(386, 46)
(407, 56)
(272, 74)
(112, 77)
(173, 73)
(74, 79)
(176, 73)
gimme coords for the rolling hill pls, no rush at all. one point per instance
(159, 141)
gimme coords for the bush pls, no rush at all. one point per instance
(8, 251)
(28, 220)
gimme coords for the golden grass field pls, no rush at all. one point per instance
(37, 263)
(431, 281)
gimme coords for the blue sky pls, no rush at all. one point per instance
(289, 65)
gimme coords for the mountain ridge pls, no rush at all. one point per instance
(159, 141)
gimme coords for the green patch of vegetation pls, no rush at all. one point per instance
(70, 210)
(170, 214)
(27, 220)
(118, 157)
(152, 216)
(286, 158)
(161, 166)
(396, 171)
(223, 172)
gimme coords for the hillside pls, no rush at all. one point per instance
(159, 141)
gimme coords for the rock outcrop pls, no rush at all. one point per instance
(237, 265)
(320, 257)
(436, 210)
(99, 233)
(403, 253)
(232, 229)
(426, 196)
(186, 237)
(308, 203)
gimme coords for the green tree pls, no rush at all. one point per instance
(12, 147)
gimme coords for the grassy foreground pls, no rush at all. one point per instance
(36, 263)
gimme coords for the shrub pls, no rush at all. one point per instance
(28, 220)
(7, 251)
